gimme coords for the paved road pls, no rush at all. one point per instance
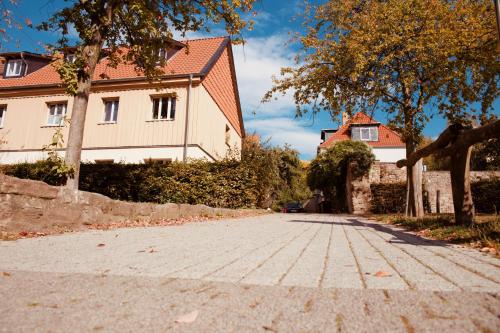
(269, 273)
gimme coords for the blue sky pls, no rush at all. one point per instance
(267, 49)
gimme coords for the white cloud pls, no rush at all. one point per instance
(282, 130)
(256, 62)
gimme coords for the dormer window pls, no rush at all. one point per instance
(14, 68)
(70, 58)
(364, 133)
(162, 54)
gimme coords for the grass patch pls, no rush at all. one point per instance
(485, 233)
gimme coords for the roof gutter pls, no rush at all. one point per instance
(103, 82)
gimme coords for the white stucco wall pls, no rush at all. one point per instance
(389, 154)
(125, 155)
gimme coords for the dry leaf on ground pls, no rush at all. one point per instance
(101, 245)
(382, 274)
(6, 274)
(187, 318)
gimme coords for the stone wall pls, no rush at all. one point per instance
(384, 172)
(358, 193)
(437, 184)
(34, 206)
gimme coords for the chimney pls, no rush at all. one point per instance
(345, 117)
(2, 64)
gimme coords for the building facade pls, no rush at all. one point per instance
(194, 109)
(386, 144)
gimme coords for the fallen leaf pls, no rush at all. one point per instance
(101, 245)
(6, 274)
(23, 233)
(382, 274)
(187, 318)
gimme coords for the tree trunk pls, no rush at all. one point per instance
(460, 185)
(348, 190)
(78, 113)
(415, 206)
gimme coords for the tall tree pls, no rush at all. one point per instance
(144, 26)
(396, 56)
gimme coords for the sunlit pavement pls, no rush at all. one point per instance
(280, 272)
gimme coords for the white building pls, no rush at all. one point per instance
(386, 144)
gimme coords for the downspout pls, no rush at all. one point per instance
(186, 127)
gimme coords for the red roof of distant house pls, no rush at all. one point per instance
(207, 57)
(386, 136)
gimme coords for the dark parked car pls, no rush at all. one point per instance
(293, 207)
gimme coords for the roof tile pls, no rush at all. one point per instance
(190, 60)
(387, 137)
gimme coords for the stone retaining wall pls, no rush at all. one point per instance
(437, 184)
(34, 206)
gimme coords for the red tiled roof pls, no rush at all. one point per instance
(199, 55)
(210, 57)
(222, 87)
(386, 136)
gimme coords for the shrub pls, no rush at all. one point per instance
(486, 195)
(388, 198)
(45, 171)
(266, 176)
(328, 171)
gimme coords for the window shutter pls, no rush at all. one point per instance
(356, 133)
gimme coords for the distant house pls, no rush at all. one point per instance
(386, 144)
(195, 109)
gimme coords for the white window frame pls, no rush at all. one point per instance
(161, 100)
(361, 133)
(115, 107)
(3, 111)
(17, 65)
(58, 106)
(70, 57)
(374, 129)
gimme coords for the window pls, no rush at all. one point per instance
(14, 68)
(2, 115)
(164, 108)
(228, 136)
(104, 161)
(111, 111)
(56, 114)
(364, 133)
(162, 54)
(70, 58)
(157, 160)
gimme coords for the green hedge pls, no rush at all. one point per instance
(486, 195)
(229, 184)
(388, 198)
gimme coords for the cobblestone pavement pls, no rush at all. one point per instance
(270, 273)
